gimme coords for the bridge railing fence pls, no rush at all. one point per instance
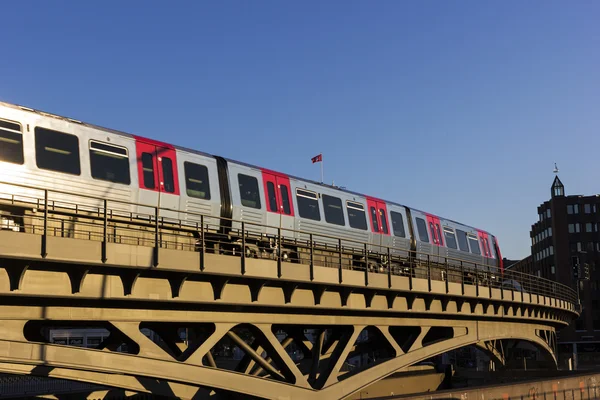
(83, 216)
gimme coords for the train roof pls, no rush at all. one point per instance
(186, 149)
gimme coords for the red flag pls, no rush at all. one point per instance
(317, 158)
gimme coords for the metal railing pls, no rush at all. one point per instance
(58, 213)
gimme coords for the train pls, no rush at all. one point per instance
(52, 152)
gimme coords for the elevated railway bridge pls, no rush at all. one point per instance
(172, 299)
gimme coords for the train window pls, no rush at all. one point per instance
(272, 197)
(463, 244)
(486, 246)
(384, 226)
(285, 199)
(167, 170)
(249, 191)
(398, 224)
(450, 238)
(308, 205)
(148, 170)
(439, 235)
(333, 210)
(474, 244)
(422, 229)
(109, 162)
(57, 151)
(356, 215)
(374, 219)
(11, 143)
(196, 180)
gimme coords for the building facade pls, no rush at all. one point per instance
(565, 246)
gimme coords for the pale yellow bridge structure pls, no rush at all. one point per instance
(71, 261)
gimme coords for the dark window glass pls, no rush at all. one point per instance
(11, 143)
(450, 238)
(398, 224)
(432, 230)
(332, 206)
(462, 240)
(249, 191)
(474, 244)
(308, 205)
(148, 170)
(439, 234)
(285, 199)
(109, 163)
(167, 169)
(272, 196)
(57, 151)
(384, 227)
(356, 215)
(196, 181)
(422, 229)
(374, 219)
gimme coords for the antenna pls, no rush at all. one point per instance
(555, 169)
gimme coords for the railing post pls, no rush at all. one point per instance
(202, 244)
(243, 248)
(489, 280)
(312, 257)
(104, 232)
(389, 269)
(447, 274)
(279, 252)
(45, 233)
(340, 274)
(462, 278)
(428, 273)
(155, 261)
(411, 268)
(476, 280)
(366, 265)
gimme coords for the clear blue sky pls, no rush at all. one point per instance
(459, 108)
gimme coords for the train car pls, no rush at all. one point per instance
(138, 174)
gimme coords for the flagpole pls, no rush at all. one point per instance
(322, 169)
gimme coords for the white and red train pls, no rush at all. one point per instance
(52, 152)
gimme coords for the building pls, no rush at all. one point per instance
(565, 246)
(524, 266)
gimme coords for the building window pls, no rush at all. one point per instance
(569, 209)
(571, 228)
(196, 180)
(550, 231)
(594, 208)
(552, 270)
(548, 213)
(577, 227)
(356, 215)
(398, 224)
(11, 143)
(576, 208)
(588, 227)
(332, 206)
(249, 193)
(308, 204)
(551, 250)
(578, 246)
(109, 162)
(590, 246)
(587, 208)
(57, 151)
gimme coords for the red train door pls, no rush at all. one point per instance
(485, 245)
(278, 196)
(158, 178)
(435, 230)
(379, 221)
